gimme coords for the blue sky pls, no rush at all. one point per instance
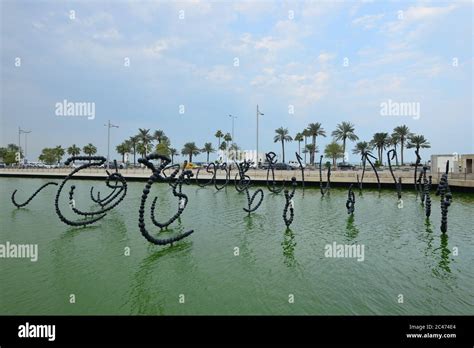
(290, 53)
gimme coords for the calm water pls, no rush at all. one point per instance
(403, 255)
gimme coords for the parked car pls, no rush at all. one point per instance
(2, 165)
(283, 166)
(345, 166)
(296, 165)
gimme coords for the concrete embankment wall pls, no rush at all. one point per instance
(338, 178)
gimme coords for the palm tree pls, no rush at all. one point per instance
(143, 149)
(299, 138)
(219, 135)
(309, 148)
(282, 135)
(344, 130)
(73, 150)
(403, 133)
(394, 141)
(173, 152)
(227, 138)
(158, 135)
(59, 153)
(333, 150)
(418, 141)
(190, 149)
(123, 148)
(134, 143)
(305, 135)
(315, 129)
(361, 147)
(208, 149)
(145, 138)
(223, 146)
(380, 141)
(90, 150)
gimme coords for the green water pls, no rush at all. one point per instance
(403, 255)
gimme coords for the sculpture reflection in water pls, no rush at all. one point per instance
(290, 203)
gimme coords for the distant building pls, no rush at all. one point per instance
(457, 163)
(438, 163)
(466, 163)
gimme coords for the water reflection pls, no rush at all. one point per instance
(146, 296)
(351, 230)
(288, 246)
(445, 260)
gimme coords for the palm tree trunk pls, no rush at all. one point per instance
(134, 156)
(313, 151)
(172, 157)
(344, 150)
(123, 157)
(208, 157)
(190, 158)
(283, 149)
(299, 147)
(305, 143)
(401, 148)
(334, 162)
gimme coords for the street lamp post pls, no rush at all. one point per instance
(258, 114)
(109, 125)
(233, 117)
(21, 131)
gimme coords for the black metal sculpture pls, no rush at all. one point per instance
(227, 170)
(210, 169)
(350, 203)
(366, 155)
(398, 184)
(328, 183)
(289, 204)
(175, 184)
(299, 159)
(271, 159)
(244, 184)
(417, 182)
(21, 205)
(426, 192)
(444, 192)
(94, 161)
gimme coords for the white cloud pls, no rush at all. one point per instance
(368, 21)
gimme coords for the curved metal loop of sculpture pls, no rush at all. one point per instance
(212, 172)
(398, 184)
(244, 184)
(366, 155)
(244, 180)
(94, 161)
(350, 203)
(227, 170)
(21, 205)
(417, 182)
(444, 192)
(299, 159)
(289, 204)
(328, 183)
(176, 184)
(272, 160)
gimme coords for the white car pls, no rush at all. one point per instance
(295, 164)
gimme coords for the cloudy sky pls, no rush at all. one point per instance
(328, 61)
